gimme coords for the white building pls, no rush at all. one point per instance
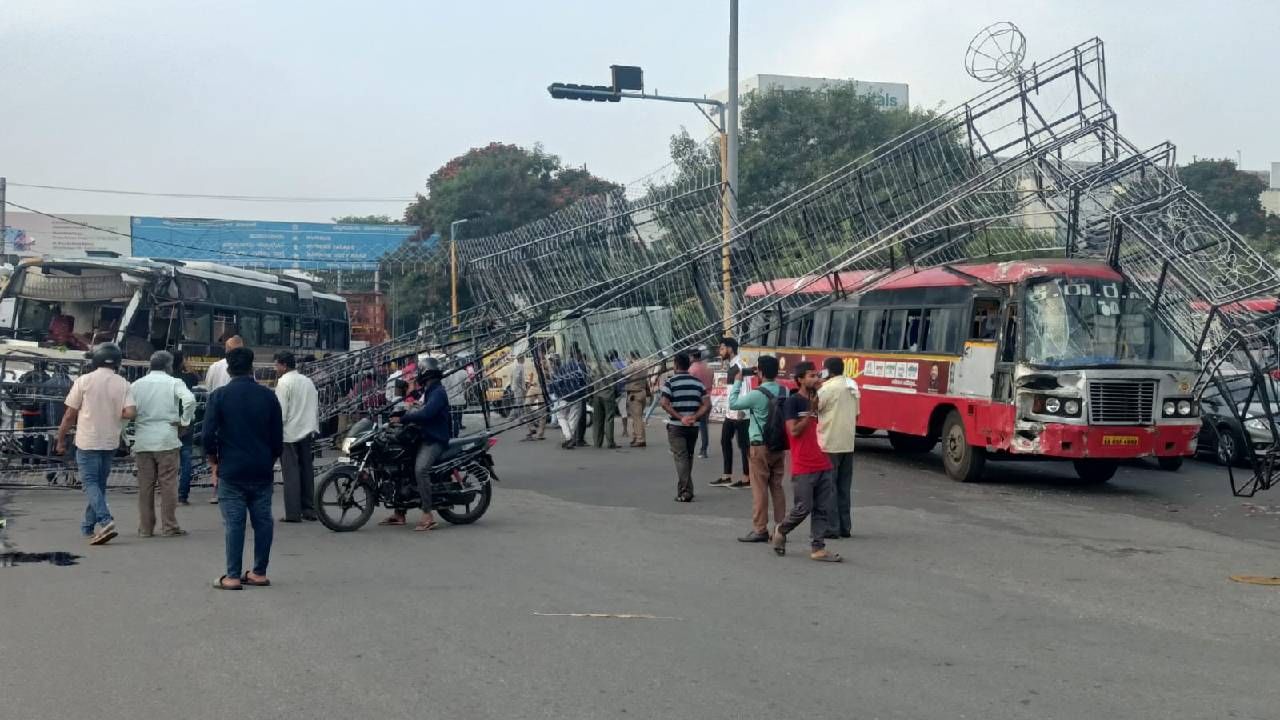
(886, 95)
(1271, 196)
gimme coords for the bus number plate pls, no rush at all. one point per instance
(1119, 440)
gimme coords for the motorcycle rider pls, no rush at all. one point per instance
(434, 423)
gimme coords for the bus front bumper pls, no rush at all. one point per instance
(1117, 441)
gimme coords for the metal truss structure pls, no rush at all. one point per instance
(1034, 166)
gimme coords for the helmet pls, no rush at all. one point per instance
(106, 355)
(429, 369)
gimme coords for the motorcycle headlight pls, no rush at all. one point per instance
(346, 445)
(1071, 407)
(1184, 407)
(1170, 408)
(1052, 404)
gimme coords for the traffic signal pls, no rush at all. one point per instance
(572, 91)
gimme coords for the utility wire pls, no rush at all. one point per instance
(206, 196)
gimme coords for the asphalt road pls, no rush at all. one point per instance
(1027, 596)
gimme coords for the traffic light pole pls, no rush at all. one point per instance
(727, 130)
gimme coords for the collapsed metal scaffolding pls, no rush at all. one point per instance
(1033, 166)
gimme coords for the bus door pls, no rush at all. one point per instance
(975, 371)
(1002, 391)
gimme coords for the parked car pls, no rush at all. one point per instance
(1226, 437)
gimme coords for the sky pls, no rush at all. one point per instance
(344, 100)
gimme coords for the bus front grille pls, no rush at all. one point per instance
(1121, 402)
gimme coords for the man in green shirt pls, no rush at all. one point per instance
(767, 465)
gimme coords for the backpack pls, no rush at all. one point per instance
(774, 431)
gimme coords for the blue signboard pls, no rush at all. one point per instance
(265, 243)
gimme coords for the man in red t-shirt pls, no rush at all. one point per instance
(812, 482)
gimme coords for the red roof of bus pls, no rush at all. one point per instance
(1005, 273)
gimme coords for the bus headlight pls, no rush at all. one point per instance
(1053, 405)
(1180, 408)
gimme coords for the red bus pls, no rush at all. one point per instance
(1049, 358)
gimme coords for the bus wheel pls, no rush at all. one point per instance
(962, 461)
(1169, 463)
(1096, 472)
(865, 432)
(911, 444)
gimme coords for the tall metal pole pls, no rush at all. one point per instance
(4, 226)
(729, 161)
(453, 269)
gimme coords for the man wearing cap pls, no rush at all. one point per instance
(434, 424)
(164, 405)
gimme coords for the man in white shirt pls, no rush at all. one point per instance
(216, 377)
(519, 387)
(164, 405)
(300, 413)
(735, 428)
(97, 405)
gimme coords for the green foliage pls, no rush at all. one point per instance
(1234, 196)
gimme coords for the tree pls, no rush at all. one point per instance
(496, 188)
(1230, 192)
(364, 220)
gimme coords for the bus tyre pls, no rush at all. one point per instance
(911, 444)
(864, 432)
(1096, 472)
(1169, 464)
(962, 461)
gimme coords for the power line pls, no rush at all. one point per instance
(208, 196)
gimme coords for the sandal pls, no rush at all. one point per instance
(246, 580)
(825, 556)
(779, 542)
(426, 527)
(393, 520)
(218, 585)
(684, 498)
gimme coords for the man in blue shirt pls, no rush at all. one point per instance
(434, 425)
(243, 437)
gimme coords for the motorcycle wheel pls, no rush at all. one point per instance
(472, 505)
(343, 502)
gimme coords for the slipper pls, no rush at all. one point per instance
(246, 580)
(427, 527)
(824, 556)
(393, 520)
(217, 585)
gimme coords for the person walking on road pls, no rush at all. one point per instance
(215, 377)
(165, 408)
(519, 388)
(702, 371)
(838, 404)
(638, 393)
(97, 405)
(537, 402)
(734, 430)
(811, 483)
(685, 400)
(768, 454)
(300, 410)
(569, 383)
(604, 405)
(187, 434)
(244, 436)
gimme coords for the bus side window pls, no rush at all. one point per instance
(224, 325)
(912, 341)
(195, 325)
(870, 328)
(271, 334)
(250, 329)
(986, 319)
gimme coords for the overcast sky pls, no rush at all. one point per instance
(328, 98)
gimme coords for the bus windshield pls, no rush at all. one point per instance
(1077, 322)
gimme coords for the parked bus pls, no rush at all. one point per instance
(1037, 358)
(61, 307)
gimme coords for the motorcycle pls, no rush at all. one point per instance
(376, 468)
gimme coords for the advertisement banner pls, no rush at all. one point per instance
(267, 243)
(29, 234)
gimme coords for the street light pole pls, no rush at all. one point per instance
(453, 268)
(729, 169)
